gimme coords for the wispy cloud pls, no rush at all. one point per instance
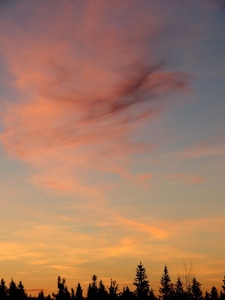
(203, 149)
(78, 108)
(186, 178)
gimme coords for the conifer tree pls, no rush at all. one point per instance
(92, 289)
(223, 286)
(21, 292)
(179, 289)
(41, 295)
(207, 296)
(166, 291)
(79, 292)
(222, 293)
(127, 294)
(63, 293)
(72, 294)
(102, 293)
(214, 295)
(113, 290)
(3, 290)
(196, 292)
(141, 282)
(12, 293)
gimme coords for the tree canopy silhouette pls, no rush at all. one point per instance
(98, 291)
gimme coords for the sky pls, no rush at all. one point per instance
(112, 141)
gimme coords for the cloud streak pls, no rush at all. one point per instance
(186, 178)
(143, 85)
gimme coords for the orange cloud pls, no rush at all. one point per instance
(152, 230)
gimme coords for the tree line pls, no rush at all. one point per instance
(188, 289)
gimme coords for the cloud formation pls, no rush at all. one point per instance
(81, 95)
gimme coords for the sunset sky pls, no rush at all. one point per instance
(112, 141)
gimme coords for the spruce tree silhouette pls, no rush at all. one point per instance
(141, 282)
(179, 292)
(214, 295)
(12, 291)
(196, 292)
(3, 290)
(21, 292)
(166, 290)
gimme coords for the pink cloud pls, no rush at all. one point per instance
(186, 178)
(84, 91)
(211, 147)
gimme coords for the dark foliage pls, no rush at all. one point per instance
(98, 291)
(166, 290)
(141, 283)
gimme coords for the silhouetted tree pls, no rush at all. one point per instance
(72, 294)
(79, 292)
(67, 294)
(113, 290)
(166, 291)
(21, 292)
(3, 290)
(127, 294)
(63, 293)
(12, 293)
(152, 296)
(222, 293)
(102, 293)
(141, 282)
(179, 292)
(207, 296)
(223, 286)
(196, 292)
(92, 289)
(214, 295)
(41, 296)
